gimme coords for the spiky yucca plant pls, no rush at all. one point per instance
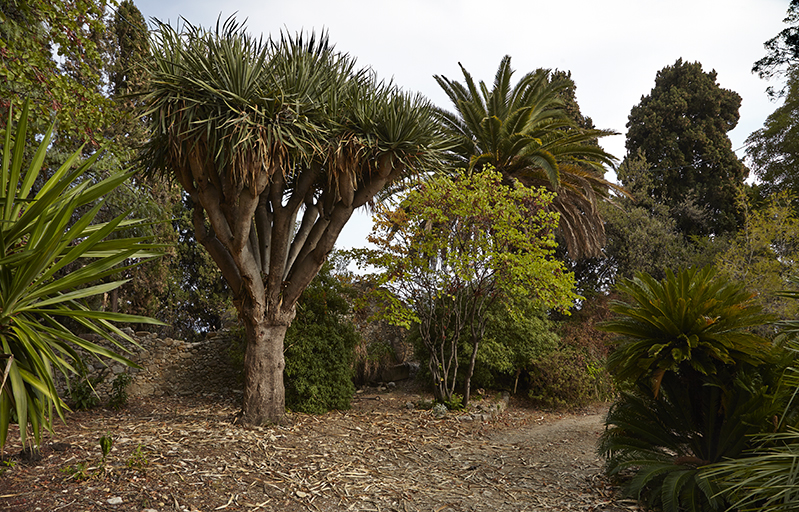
(53, 256)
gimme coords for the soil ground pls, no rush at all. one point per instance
(185, 454)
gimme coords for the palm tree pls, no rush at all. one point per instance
(526, 134)
(277, 142)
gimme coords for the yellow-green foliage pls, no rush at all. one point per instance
(455, 247)
(764, 255)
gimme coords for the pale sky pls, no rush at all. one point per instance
(613, 48)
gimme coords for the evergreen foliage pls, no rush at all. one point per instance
(782, 51)
(695, 381)
(681, 128)
(773, 150)
(320, 347)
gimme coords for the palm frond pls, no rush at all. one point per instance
(523, 131)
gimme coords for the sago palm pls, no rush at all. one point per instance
(524, 132)
(767, 478)
(52, 257)
(692, 323)
(696, 384)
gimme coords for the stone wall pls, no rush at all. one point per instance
(176, 367)
(168, 366)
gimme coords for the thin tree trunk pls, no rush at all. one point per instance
(468, 384)
(264, 393)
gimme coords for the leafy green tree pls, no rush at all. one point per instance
(514, 338)
(681, 128)
(641, 234)
(44, 232)
(774, 149)
(53, 54)
(261, 133)
(455, 248)
(782, 51)
(696, 383)
(526, 133)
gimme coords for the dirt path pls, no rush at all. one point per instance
(184, 454)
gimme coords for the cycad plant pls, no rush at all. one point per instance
(767, 479)
(696, 384)
(52, 257)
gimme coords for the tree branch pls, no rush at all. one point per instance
(217, 251)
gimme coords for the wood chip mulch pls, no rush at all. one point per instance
(185, 454)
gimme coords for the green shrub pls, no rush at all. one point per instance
(82, 391)
(696, 382)
(319, 348)
(119, 391)
(566, 378)
(512, 340)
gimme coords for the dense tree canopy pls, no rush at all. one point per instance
(681, 128)
(54, 54)
(782, 50)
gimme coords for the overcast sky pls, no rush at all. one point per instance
(613, 48)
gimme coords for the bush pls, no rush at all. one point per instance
(513, 339)
(566, 378)
(119, 391)
(82, 391)
(320, 348)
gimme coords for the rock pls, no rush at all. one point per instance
(409, 405)
(116, 500)
(439, 411)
